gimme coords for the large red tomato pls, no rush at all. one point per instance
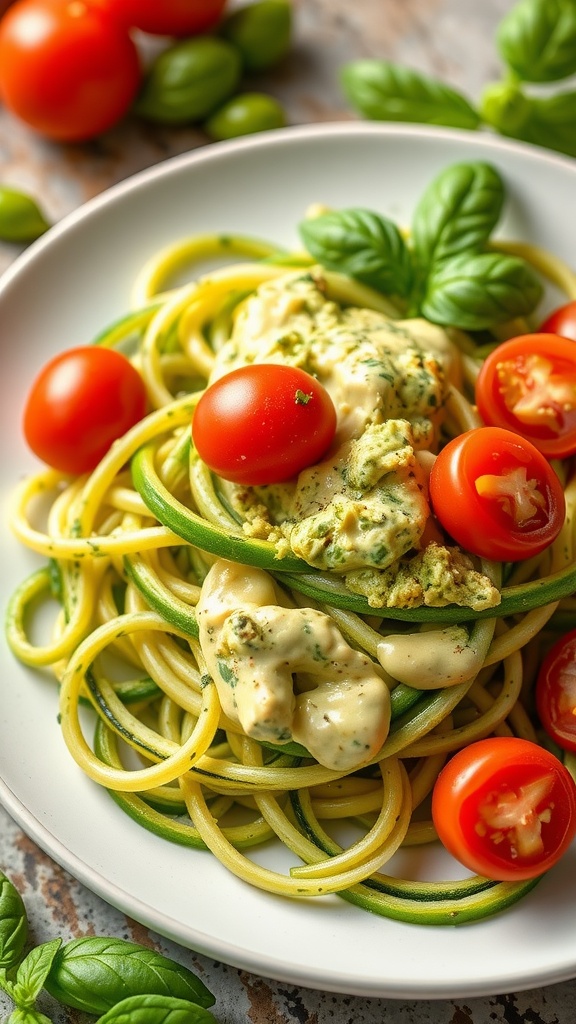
(67, 68)
(168, 17)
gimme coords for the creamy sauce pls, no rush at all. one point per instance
(287, 673)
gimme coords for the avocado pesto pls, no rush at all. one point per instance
(302, 643)
(363, 511)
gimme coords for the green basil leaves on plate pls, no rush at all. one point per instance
(445, 270)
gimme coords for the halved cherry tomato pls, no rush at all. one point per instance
(167, 17)
(562, 321)
(263, 423)
(496, 494)
(556, 692)
(82, 401)
(528, 384)
(68, 69)
(505, 808)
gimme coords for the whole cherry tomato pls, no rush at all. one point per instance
(263, 423)
(496, 494)
(167, 17)
(505, 808)
(528, 384)
(82, 401)
(556, 692)
(562, 321)
(67, 68)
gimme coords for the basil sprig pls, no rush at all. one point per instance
(384, 91)
(446, 273)
(536, 41)
(126, 982)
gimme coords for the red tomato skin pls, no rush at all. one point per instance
(493, 409)
(562, 321)
(167, 17)
(67, 69)
(477, 524)
(80, 403)
(556, 692)
(249, 428)
(494, 766)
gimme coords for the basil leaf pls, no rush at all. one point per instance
(537, 39)
(33, 971)
(156, 1009)
(383, 91)
(362, 245)
(477, 291)
(94, 973)
(548, 121)
(13, 924)
(457, 212)
(24, 1016)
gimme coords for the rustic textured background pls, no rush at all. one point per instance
(453, 39)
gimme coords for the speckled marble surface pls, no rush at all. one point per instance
(450, 38)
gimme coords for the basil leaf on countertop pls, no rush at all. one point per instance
(457, 212)
(156, 1009)
(13, 924)
(477, 291)
(548, 121)
(383, 91)
(32, 973)
(94, 973)
(537, 39)
(362, 245)
(22, 1015)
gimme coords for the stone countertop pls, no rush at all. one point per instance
(453, 39)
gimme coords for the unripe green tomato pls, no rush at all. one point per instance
(189, 80)
(261, 31)
(245, 114)
(20, 217)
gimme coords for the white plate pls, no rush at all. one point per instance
(61, 292)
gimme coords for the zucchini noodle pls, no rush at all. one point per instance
(126, 551)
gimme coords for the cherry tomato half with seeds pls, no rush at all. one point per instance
(167, 17)
(67, 68)
(528, 384)
(496, 494)
(263, 423)
(505, 808)
(81, 402)
(562, 321)
(556, 692)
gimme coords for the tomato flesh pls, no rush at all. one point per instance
(528, 385)
(263, 423)
(556, 692)
(81, 402)
(505, 808)
(497, 495)
(67, 69)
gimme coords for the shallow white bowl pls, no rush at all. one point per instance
(60, 293)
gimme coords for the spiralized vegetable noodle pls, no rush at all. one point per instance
(127, 549)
